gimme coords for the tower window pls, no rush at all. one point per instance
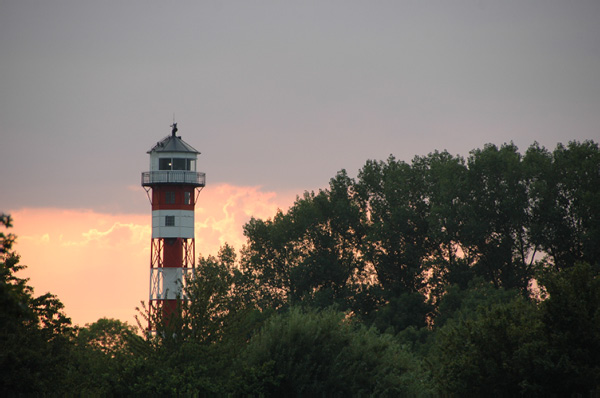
(169, 198)
(164, 164)
(191, 164)
(187, 197)
(169, 221)
(179, 164)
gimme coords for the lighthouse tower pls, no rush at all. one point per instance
(173, 186)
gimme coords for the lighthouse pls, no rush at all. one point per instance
(173, 186)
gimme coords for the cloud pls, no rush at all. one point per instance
(98, 263)
(223, 210)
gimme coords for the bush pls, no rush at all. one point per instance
(324, 354)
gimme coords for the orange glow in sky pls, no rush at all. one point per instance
(98, 263)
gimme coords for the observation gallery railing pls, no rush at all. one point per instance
(173, 177)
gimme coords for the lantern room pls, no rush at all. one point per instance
(173, 161)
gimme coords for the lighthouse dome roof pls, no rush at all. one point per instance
(173, 143)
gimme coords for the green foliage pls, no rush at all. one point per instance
(565, 197)
(444, 276)
(308, 255)
(320, 353)
(497, 343)
(571, 316)
(34, 332)
(496, 351)
(393, 196)
(449, 260)
(102, 350)
(211, 296)
(401, 312)
(109, 337)
(6, 240)
(496, 226)
(459, 303)
(417, 228)
(403, 231)
(194, 352)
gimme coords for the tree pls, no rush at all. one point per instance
(463, 303)
(498, 350)
(392, 194)
(211, 296)
(35, 334)
(450, 260)
(107, 336)
(193, 352)
(320, 353)
(402, 311)
(102, 351)
(496, 217)
(571, 318)
(310, 254)
(565, 197)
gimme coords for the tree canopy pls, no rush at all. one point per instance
(443, 276)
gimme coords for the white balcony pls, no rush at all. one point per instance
(180, 177)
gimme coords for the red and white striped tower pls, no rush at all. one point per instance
(173, 186)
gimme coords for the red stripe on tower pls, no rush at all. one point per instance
(172, 185)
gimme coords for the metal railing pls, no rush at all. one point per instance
(173, 177)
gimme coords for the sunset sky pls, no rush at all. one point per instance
(277, 95)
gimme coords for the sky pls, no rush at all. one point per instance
(277, 96)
